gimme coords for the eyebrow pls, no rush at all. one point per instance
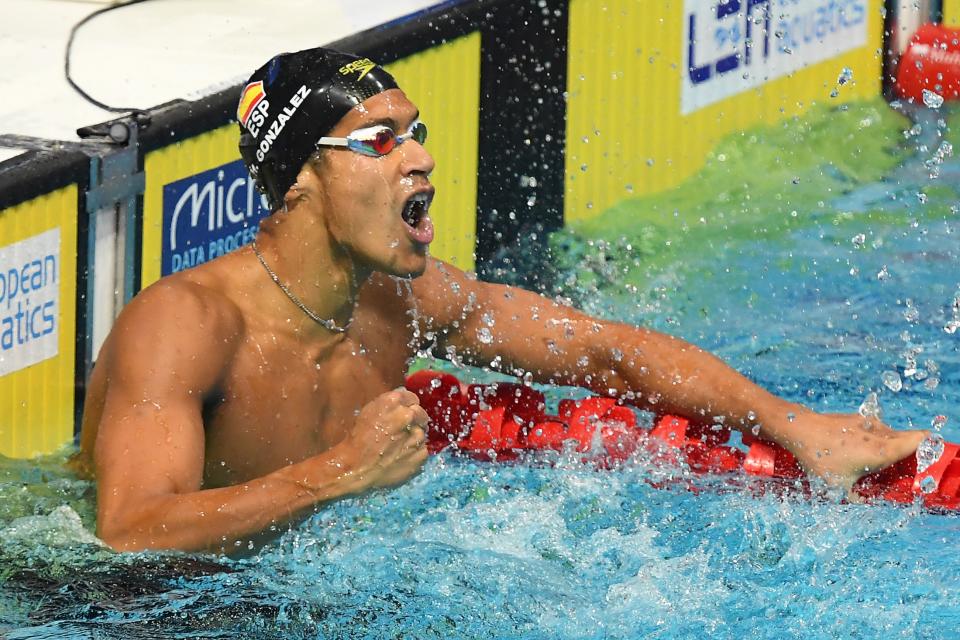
(388, 122)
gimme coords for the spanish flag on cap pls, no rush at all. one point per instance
(251, 96)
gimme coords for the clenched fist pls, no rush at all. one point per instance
(388, 442)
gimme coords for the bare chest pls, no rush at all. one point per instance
(284, 400)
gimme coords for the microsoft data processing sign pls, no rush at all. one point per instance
(731, 46)
(29, 301)
(209, 214)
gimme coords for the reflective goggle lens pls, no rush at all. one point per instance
(377, 141)
(383, 141)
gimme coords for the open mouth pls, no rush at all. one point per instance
(416, 208)
(416, 216)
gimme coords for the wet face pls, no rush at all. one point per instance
(376, 208)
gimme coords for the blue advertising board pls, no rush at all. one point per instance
(209, 214)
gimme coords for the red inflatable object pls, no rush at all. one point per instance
(499, 421)
(932, 62)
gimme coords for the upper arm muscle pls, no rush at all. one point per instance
(166, 353)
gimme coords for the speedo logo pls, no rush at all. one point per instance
(277, 125)
(253, 106)
(364, 66)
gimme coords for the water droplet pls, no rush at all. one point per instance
(846, 75)
(929, 451)
(892, 381)
(931, 99)
(928, 485)
(911, 313)
(870, 407)
(883, 274)
(484, 335)
(859, 240)
(938, 422)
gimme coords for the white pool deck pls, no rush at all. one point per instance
(153, 52)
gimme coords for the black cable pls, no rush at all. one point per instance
(66, 65)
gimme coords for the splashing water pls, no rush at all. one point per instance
(932, 99)
(929, 451)
(891, 380)
(870, 407)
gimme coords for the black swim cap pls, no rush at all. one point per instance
(294, 100)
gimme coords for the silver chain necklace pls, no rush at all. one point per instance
(328, 323)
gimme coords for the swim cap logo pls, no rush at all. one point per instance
(252, 110)
(364, 66)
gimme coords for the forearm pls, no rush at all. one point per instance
(668, 375)
(219, 519)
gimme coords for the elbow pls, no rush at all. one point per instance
(120, 537)
(128, 530)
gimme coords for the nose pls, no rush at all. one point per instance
(416, 159)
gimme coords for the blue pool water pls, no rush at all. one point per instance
(555, 549)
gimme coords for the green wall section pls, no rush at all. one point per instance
(760, 182)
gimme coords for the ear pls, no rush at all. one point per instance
(300, 191)
(293, 196)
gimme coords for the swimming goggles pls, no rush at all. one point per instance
(378, 140)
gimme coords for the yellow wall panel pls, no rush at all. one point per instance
(626, 134)
(444, 82)
(37, 401)
(951, 13)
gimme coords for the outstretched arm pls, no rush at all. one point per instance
(167, 354)
(521, 331)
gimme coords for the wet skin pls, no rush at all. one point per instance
(218, 409)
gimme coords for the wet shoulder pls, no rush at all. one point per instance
(176, 333)
(444, 292)
(181, 310)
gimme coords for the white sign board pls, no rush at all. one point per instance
(29, 301)
(734, 45)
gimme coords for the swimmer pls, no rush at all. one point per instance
(238, 396)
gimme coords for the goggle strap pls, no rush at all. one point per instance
(333, 142)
